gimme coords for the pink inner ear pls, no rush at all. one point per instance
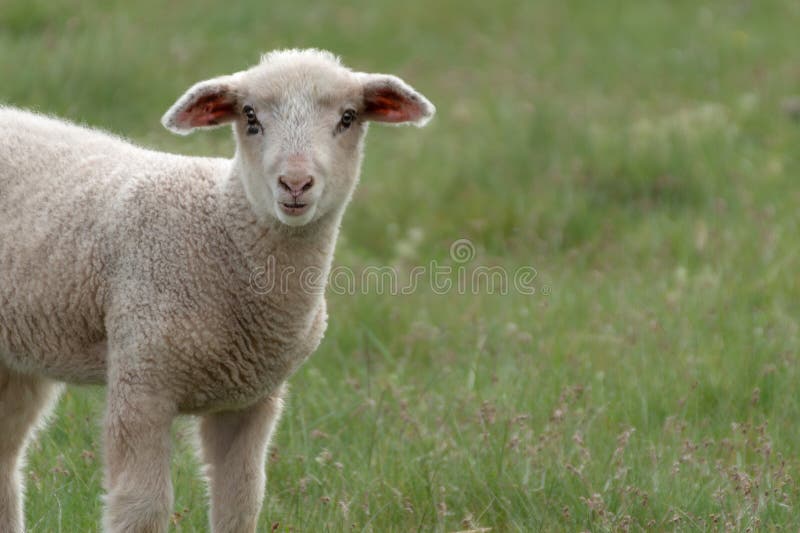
(389, 105)
(208, 110)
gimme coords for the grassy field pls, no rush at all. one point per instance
(642, 156)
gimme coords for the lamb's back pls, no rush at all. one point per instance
(66, 210)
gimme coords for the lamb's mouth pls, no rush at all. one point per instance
(294, 208)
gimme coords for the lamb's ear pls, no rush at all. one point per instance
(390, 99)
(205, 105)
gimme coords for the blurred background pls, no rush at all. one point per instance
(641, 156)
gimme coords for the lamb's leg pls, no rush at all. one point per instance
(234, 448)
(137, 455)
(23, 402)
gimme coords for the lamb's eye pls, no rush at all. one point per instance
(253, 125)
(348, 117)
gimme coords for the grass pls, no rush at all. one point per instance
(639, 155)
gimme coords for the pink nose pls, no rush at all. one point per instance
(296, 183)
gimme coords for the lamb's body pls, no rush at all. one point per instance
(186, 284)
(94, 244)
(41, 307)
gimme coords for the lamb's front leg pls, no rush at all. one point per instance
(137, 455)
(234, 448)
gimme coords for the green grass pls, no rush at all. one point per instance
(635, 153)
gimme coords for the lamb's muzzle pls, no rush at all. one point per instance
(296, 183)
(135, 268)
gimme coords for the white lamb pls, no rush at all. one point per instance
(135, 268)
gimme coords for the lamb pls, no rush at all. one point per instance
(134, 268)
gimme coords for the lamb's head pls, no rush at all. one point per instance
(299, 118)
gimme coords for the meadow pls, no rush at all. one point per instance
(641, 156)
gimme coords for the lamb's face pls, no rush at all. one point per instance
(299, 120)
(301, 148)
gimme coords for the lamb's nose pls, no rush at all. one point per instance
(296, 184)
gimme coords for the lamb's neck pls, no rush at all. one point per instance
(265, 242)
